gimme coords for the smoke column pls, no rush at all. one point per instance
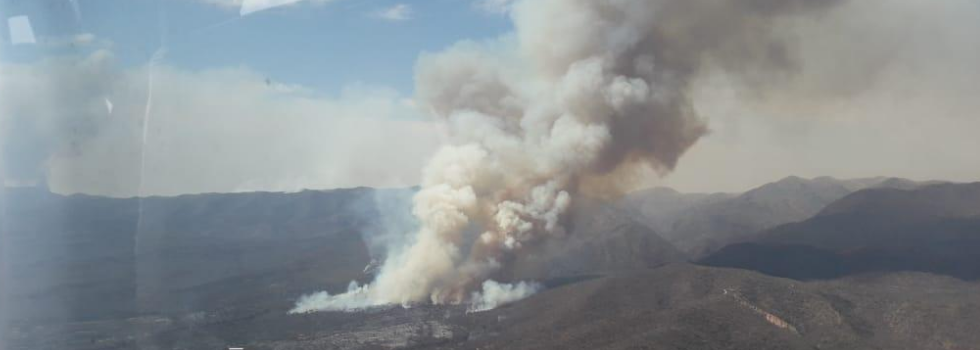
(580, 96)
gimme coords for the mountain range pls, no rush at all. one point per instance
(702, 223)
(879, 263)
(933, 228)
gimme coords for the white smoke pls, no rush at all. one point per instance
(582, 94)
(354, 299)
(496, 294)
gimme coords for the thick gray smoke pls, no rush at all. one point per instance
(584, 93)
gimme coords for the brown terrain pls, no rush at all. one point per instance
(879, 264)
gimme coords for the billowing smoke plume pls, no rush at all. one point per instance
(584, 92)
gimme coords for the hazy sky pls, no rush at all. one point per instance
(126, 97)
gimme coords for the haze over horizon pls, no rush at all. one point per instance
(272, 122)
(489, 174)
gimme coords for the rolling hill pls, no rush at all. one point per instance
(682, 306)
(933, 228)
(220, 270)
(699, 224)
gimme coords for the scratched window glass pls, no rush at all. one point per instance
(501, 174)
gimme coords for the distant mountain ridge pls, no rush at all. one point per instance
(192, 252)
(184, 249)
(933, 228)
(939, 200)
(84, 257)
(601, 239)
(659, 208)
(219, 270)
(701, 224)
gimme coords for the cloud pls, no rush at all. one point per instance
(218, 130)
(77, 41)
(494, 6)
(399, 12)
(21, 31)
(247, 7)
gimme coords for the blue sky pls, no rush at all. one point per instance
(323, 45)
(320, 94)
(302, 87)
